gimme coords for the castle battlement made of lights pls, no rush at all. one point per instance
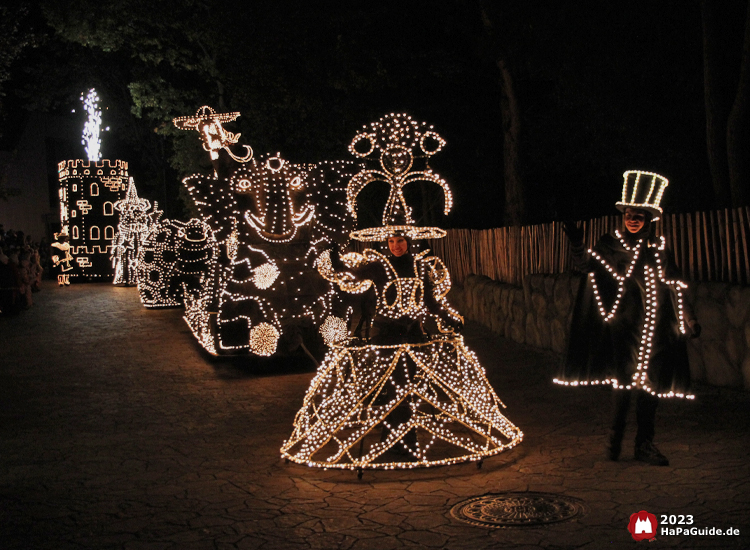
(88, 193)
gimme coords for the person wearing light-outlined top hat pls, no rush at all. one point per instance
(630, 321)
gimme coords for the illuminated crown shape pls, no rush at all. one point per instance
(398, 140)
(642, 190)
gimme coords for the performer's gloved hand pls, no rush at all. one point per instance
(458, 325)
(695, 328)
(574, 231)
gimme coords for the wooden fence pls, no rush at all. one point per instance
(708, 246)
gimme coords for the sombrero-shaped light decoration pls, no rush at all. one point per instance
(208, 123)
(397, 139)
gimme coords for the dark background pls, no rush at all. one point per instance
(601, 87)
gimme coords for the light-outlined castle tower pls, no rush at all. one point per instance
(88, 193)
(89, 189)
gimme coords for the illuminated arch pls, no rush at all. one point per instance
(109, 209)
(94, 233)
(109, 232)
(94, 191)
(75, 232)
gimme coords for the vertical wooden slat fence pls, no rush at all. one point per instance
(707, 246)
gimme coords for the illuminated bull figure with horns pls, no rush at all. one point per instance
(271, 219)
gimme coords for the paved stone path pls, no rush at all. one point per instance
(117, 431)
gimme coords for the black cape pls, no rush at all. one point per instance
(629, 321)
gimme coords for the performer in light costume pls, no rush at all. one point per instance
(132, 229)
(414, 395)
(630, 321)
(62, 261)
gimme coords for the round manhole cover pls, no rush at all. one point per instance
(518, 509)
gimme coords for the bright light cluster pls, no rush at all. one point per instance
(333, 330)
(654, 278)
(646, 197)
(453, 412)
(398, 140)
(132, 229)
(263, 339)
(92, 126)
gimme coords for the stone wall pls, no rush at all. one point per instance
(539, 314)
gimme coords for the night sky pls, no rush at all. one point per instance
(602, 87)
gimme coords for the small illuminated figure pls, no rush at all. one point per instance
(630, 321)
(131, 230)
(412, 395)
(63, 259)
(209, 125)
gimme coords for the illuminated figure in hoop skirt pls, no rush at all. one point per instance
(413, 395)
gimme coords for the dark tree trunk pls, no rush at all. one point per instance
(511, 117)
(738, 129)
(717, 109)
(514, 200)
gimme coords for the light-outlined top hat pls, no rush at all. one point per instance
(642, 190)
(396, 139)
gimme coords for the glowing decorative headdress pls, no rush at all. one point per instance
(208, 123)
(132, 202)
(397, 137)
(642, 190)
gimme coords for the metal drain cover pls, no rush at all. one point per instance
(518, 509)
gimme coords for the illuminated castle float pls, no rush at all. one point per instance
(270, 219)
(88, 192)
(413, 395)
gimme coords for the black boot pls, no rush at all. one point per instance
(615, 445)
(647, 452)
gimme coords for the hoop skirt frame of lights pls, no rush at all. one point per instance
(455, 413)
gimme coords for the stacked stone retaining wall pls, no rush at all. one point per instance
(539, 314)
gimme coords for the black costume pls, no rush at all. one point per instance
(628, 330)
(629, 321)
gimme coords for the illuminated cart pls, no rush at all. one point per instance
(175, 259)
(270, 219)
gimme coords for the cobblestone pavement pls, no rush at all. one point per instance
(117, 431)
